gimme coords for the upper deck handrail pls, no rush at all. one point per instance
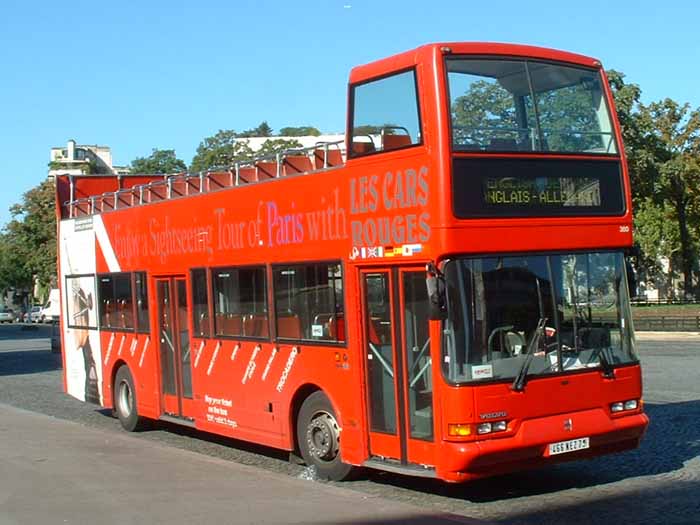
(185, 184)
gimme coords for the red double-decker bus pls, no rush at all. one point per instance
(444, 294)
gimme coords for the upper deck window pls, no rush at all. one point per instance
(385, 114)
(518, 105)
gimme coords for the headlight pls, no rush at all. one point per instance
(483, 428)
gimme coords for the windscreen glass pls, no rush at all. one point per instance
(519, 105)
(570, 311)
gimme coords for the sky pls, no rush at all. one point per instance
(166, 74)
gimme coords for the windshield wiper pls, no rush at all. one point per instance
(605, 364)
(519, 382)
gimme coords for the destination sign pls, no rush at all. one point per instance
(542, 191)
(536, 187)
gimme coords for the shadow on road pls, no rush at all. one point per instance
(673, 437)
(24, 331)
(649, 505)
(220, 440)
(29, 362)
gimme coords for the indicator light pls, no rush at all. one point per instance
(459, 429)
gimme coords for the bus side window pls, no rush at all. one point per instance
(200, 303)
(309, 302)
(240, 301)
(385, 114)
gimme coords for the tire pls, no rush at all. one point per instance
(318, 438)
(125, 401)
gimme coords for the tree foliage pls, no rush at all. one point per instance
(272, 146)
(662, 142)
(262, 130)
(28, 241)
(227, 147)
(160, 161)
(299, 131)
(220, 150)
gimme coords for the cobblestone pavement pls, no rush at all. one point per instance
(658, 483)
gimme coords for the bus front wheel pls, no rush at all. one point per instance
(318, 437)
(125, 400)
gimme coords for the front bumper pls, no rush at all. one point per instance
(528, 446)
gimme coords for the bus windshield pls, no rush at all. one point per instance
(526, 105)
(570, 311)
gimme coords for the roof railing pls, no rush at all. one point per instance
(319, 157)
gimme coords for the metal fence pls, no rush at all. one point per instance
(643, 301)
(668, 323)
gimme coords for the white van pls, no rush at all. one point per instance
(52, 309)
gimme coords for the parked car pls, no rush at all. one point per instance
(52, 309)
(7, 315)
(34, 315)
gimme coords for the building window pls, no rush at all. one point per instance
(200, 303)
(240, 302)
(309, 302)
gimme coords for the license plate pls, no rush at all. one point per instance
(569, 446)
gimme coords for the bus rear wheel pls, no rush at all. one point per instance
(125, 400)
(318, 437)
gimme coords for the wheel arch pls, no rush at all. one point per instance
(112, 377)
(300, 395)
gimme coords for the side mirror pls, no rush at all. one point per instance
(435, 282)
(631, 279)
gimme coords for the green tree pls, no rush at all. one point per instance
(28, 242)
(662, 143)
(13, 272)
(273, 146)
(160, 161)
(677, 134)
(262, 130)
(299, 131)
(656, 236)
(220, 150)
(641, 147)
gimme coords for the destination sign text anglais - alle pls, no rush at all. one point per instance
(543, 191)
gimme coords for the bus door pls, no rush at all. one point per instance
(398, 364)
(174, 345)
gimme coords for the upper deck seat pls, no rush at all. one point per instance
(193, 183)
(395, 141)
(297, 163)
(266, 169)
(333, 158)
(218, 180)
(156, 191)
(178, 187)
(247, 174)
(360, 148)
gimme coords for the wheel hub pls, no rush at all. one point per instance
(125, 399)
(323, 437)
